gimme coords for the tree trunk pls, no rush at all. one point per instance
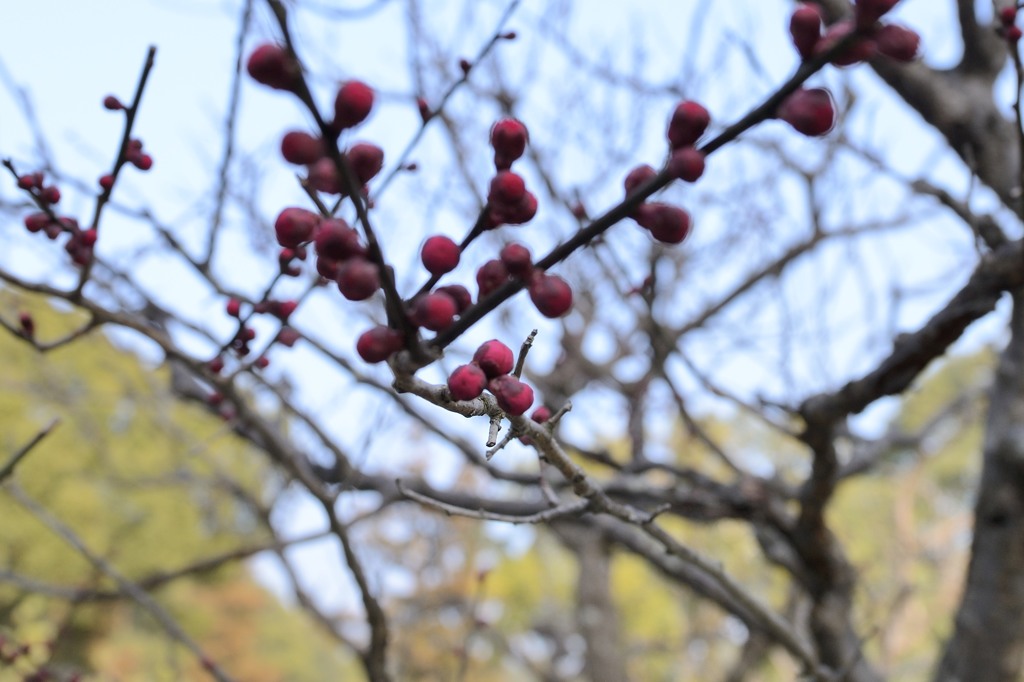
(987, 644)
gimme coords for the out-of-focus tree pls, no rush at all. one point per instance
(750, 457)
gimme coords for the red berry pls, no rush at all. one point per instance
(467, 382)
(143, 162)
(490, 276)
(810, 111)
(506, 188)
(902, 44)
(301, 148)
(378, 344)
(1008, 15)
(687, 164)
(295, 225)
(519, 213)
(517, 260)
(508, 138)
(234, 307)
(107, 182)
(112, 103)
(50, 195)
(668, 224)
(805, 27)
(288, 336)
(366, 160)
(434, 311)
(551, 294)
(34, 222)
(285, 309)
(514, 397)
(327, 267)
(352, 105)
(271, 65)
(688, 123)
(335, 240)
(1013, 34)
(88, 237)
(323, 177)
(28, 325)
(494, 358)
(541, 414)
(262, 362)
(440, 255)
(358, 279)
(216, 365)
(459, 294)
(637, 177)
(424, 108)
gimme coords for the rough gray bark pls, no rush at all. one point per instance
(987, 644)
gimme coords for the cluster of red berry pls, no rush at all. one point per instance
(811, 111)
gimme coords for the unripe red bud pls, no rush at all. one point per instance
(514, 397)
(439, 255)
(234, 307)
(490, 276)
(494, 358)
(898, 42)
(551, 294)
(805, 27)
(336, 240)
(301, 148)
(295, 225)
(687, 164)
(637, 177)
(323, 177)
(810, 111)
(508, 138)
(434, 311)
(28, 325)
(284, 309)
(112, 103)
(378, 344)
(271, 65)
(366, 160)
(107, 182)
(517, 260)
(358, 279)
(688, 123)
(288, 336)
(467, 382)
(34, 222)
(216, 365)
(506, 188)
(50, 195)
(424, 108)
(352, 105)
(668, 224)
(459, 294)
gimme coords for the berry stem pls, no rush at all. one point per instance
(122, 157)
